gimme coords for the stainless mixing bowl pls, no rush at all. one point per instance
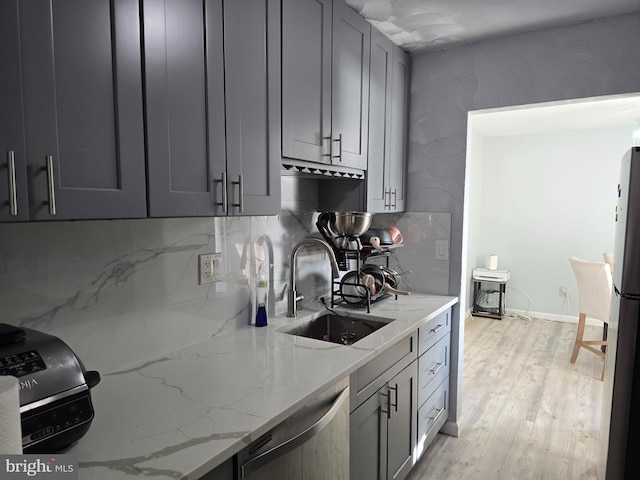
(352, 224)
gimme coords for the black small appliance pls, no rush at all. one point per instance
(55, 399)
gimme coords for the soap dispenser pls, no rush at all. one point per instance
(262, 289)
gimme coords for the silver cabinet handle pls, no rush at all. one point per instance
(330, 154)
(13, 195)
(294, 442)
(51, 184)
(395, 198)
(223, 181)
(439, 412)
(388, 410)
(438, 367)
(394, 405)
(240, 184)
(387, 205)
(436, 328)
(339, 140)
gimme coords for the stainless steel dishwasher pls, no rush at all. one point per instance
(312, 444)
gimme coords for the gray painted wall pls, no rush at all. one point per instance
(586, 60)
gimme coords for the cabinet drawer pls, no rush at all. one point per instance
(370, 377)
(433, 331)
(432, 416)
(433, 368)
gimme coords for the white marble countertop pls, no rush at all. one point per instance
(181, 415)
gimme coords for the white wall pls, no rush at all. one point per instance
(543, 198)
(473, 207)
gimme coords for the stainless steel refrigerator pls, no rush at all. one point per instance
(620, 433)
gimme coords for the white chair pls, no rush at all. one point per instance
(608, 258)
(594, 290)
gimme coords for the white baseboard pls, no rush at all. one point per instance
(554, 317)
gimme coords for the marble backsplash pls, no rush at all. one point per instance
(121, 292)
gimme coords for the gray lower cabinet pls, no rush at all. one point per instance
(325, 83)
(434, 342)
(383, 430)
(388, 126)
(77, 96)
(384, 414)
(212, 82)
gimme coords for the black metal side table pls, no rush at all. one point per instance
(489, 292)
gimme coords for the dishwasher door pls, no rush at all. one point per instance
(312, 444)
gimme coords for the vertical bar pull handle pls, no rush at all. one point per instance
(51, 184)
(395, 198)
(394, 405)
(330, 154)
(13, 195)
(240, 184)
(339, 140)
(223, 181)
(388, 401)
(387, 205)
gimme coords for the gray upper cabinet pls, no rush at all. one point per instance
(325, 75)
(253, 101)
(184, 79)
(13, 167)
(212, 81)
(82, 100)
(389, 100)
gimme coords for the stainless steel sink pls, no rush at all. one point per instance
(343, 329)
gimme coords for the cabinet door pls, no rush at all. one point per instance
(403, 423)
(306, 79)
(389, 100)
(368, 438)
(378, 194)
(399, 128)
(13, 170)
(184, 80)
(350, 87)
(253, 99)
(83, 108)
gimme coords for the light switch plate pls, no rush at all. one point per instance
(442, 250)
(210, 268)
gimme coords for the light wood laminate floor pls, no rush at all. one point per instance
(527, 412)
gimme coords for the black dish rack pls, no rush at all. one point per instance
(366, 299)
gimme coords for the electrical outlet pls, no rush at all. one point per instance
(562, 291)
(210, 268)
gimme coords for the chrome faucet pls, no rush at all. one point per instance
(293, 295)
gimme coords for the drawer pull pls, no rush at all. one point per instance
(437, 328)
(439, 367)
(439, 412)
